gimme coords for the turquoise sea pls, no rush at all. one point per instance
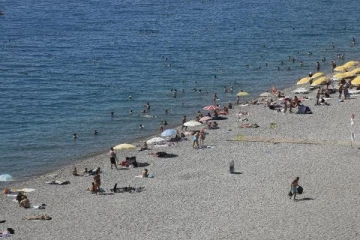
(66, 65)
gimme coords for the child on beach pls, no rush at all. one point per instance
(196, 140)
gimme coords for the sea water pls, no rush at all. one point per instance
(66, 65)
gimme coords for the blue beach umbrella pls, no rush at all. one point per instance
(168, 133)
(6, 178)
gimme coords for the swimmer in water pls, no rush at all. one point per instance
(112, 114)
(95, 132)
(141, 126)
(131, 112)
(75, 136)
(130, 97)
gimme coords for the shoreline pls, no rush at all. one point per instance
(136, 141)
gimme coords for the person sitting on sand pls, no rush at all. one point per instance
(25, 202)
(40, 217)
(144, 173)
(97, 181)
(92, 189)
(74, 172)
(214, 125)
(144, 146)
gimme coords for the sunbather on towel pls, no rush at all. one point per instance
(56, 182)
(40, 217)
(249, 125)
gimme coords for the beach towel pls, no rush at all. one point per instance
(304, 110)
(25, 190)
(248, 125)
(42, 206)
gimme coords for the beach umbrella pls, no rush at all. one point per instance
(211, 108)
(355, 71)
(155, 140)
(124, 146)
(303, 80)
(351, 64)
(242, 93)
(319, 81)
(192, 123)
(340, 69)
(265, 94)
(344, 75)
(169, 133)
(6, 178)
(205, 118)
(356, 81)
(318, 74)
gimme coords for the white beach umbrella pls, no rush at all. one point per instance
(192, 123)
(155, 140)
(265, 94)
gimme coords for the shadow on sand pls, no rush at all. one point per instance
(304, 199)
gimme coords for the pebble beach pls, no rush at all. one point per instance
(192, 195)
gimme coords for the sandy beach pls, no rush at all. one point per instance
(193, 196)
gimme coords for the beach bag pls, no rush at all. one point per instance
(290, 193)
(299, 190)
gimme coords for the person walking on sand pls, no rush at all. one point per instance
(294, 186)
(112, 155)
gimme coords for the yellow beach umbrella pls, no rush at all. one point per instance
(124, 146)
(351, 64)
(303, 80)
(318, 74)
(242, 93)
(344, 75)
(356, 81)
(356, 71)
(320, 80)
(340, 69)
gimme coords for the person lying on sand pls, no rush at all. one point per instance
(40, 217)
(145, 174)
(158, 154)
(56, 182)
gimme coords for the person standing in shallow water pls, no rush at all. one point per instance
(112, 155)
